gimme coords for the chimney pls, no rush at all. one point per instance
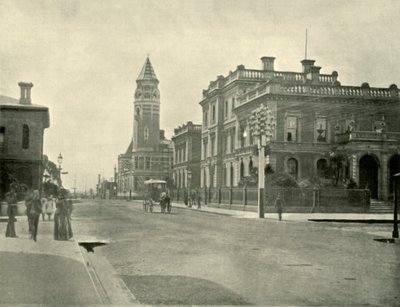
(314, 70)
(307, 65)
(267, 63)
(25, 92)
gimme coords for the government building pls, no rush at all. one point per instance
(317, 119)
(149, 155)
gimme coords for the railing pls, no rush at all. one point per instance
(318, 90)
(289, 76)
(294, 199)
(368, 136)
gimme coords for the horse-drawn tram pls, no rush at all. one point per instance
(156, 194)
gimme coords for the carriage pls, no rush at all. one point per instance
(155, 194)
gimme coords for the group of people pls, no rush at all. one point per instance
(192, 199)
(35, 206)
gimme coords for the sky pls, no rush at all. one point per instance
(83, 57)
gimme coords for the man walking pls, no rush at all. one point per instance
(279, 206)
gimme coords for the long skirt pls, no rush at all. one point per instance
(62, 227)
(10, 231)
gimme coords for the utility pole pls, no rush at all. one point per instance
(75, 186)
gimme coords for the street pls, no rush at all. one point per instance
(200, 258)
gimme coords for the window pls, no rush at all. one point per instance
(321, 168)
(213, 115)
(292, 167)
(25, 136)
(146, 133)
(320, 131)
(226, 109)
(205, 117)
(233, 103)
(205, 144)
(232, 141)
(147, 162)
(241, 169)
(231, 173)
(291, 128)
(212, 146)
(2, 136)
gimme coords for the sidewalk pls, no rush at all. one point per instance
(43, 272)
(300, 217)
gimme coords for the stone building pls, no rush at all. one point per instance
(150, 153)
(187, 155)
(317, 118)
(22, 127)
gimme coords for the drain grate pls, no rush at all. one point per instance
(89, 246)
(386, 240)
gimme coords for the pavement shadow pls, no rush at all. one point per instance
(180, 290)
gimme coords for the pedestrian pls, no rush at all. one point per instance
(35, 209)
(279, 206)
(62, 223)
(43, 202)
(198, 200)
(12, 209)
(50, 206)
(185, 197)
(28, 204)
(168, 202)
(70, 208)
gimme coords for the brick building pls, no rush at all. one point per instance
(22, 127)
(187, 155)
(150, 153)
(316, 119)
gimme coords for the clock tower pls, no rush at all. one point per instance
(146, 121)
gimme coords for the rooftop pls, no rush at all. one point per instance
(10, 102)
(147, 72)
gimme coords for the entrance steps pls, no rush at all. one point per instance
(378, 206)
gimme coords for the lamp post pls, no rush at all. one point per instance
(262, 126)
(395, 233)
(60, 160)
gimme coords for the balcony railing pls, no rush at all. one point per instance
(368, 136)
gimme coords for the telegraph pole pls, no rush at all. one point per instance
(75, 186)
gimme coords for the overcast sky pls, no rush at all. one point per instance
(84, 57)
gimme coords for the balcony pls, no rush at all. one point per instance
(367, 136)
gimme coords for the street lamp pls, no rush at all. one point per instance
(395, 233)
(60, 160)
(262, 126)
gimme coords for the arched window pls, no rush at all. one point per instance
(251, 165)
(25, 136)
(292, 167)
(241, 169)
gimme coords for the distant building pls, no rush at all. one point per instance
(150, 153)
(316, 119)
(21, 139)
(187, 156)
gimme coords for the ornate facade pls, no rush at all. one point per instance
(316, 119)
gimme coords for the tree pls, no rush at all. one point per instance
(337, 162)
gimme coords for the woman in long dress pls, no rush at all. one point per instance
(11, 212)
(62, 223)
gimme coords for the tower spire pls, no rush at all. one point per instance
(147, 72)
